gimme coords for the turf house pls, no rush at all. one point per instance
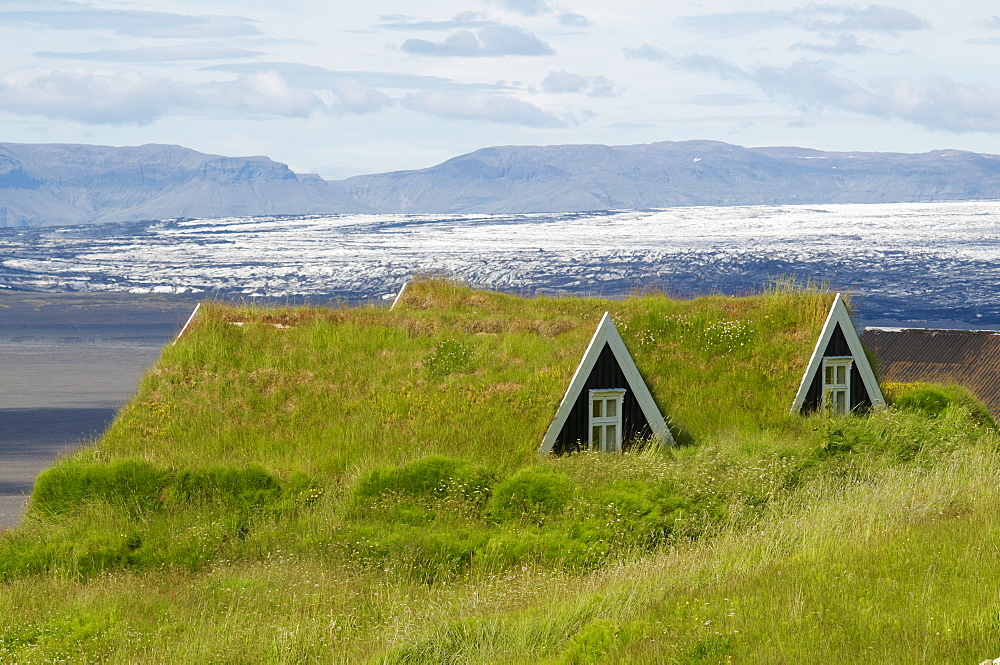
(839, 377)
(499, 371)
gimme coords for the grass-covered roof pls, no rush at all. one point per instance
(453, 370)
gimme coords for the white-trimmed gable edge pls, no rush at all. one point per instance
(187, 323)
(839, 315)
(607, 333)
(399, 295)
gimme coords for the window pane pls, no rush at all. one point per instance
(841, 375)
(597, 407)
(612, 408)
(595, 436)
(840, 401)
(611, 438)
(828, 375)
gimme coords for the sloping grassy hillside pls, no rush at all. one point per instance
(360, 484)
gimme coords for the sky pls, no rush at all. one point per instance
(341, 87)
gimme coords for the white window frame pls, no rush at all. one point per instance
(605, 396)
(831, 389)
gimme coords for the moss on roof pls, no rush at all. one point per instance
(451, 370)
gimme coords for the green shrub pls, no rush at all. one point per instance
(934, 400)
(930, 400)
(65, 637)
(550, 547)
(641, 515)
(135, 515)
(23, 554)
(251, 488)
(130, 484)
(431, 476)
(139, 487)
(532, 494)
(921, 430)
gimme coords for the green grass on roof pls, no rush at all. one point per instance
(454, 371)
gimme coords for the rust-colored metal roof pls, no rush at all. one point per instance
(970, 358)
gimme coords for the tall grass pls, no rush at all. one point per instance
(876, 563)
(351, 485)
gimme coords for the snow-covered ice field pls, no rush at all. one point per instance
(920, 262)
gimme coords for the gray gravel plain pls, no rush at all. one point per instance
(67, 364)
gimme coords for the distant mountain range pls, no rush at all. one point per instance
(50, 184)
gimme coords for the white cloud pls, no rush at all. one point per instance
(722, 99)
(353, 97)
(128, 97)
(96, 97)
(466, 20)
(645, 52)
(709, 64)
(526, 7)
(574, 20)
(315, 77)
(497, 40)
(934, 103)
(155, 54)
(123, 97)
(822, 18)
(563, 81)
(482, 106)
(567, 82)
(875, 18)
(265, 93)
(135, 23)
(937, 103)
(846, 44)
(602, 87)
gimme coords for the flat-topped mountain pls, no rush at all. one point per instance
(47, 184)
(74, 184)
(689, 173)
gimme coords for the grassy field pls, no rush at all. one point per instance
(360, 485)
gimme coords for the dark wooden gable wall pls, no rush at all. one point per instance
(607, 373)
(838, 346)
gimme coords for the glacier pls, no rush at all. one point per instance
(901, 262)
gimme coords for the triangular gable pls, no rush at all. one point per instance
(607, 336)
(839, 319)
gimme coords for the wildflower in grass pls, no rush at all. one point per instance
(450, 356)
